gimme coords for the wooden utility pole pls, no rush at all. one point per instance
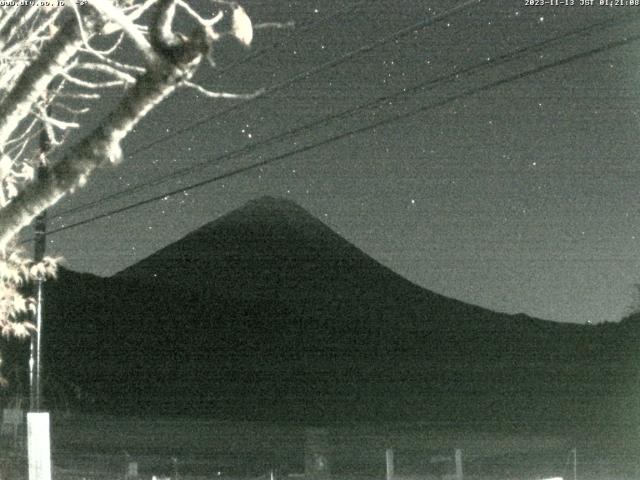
(35, 362)
(38, 429)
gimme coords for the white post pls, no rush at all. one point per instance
(317, 455)
(38, 446)
(132, 471)
(459, 464)
(389, 457)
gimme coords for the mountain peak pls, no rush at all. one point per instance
(269, 201)
(266, 228)
(266, 311)
(268, 208)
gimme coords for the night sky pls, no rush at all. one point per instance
(518, 198)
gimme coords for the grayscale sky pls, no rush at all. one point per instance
(503, 171)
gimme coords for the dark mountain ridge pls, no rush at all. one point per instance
(267, 313)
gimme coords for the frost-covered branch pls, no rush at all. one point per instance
(119, 66)
(16, 20)
(23, 135)
(177, 64)
(117, 16)
(37, 33)
(53, 70)
(277, 25)
(109, 70)
(92, 85)
(36, 77)
(212, 94)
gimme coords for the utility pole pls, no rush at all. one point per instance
(35, 361)
(38, 425)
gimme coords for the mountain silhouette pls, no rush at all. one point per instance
(266, 313)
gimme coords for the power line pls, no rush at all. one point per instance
(429, 84)
(306, 74)
(366, 128)
(254, 54)
(296, 78)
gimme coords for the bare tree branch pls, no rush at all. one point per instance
(212, 94)
(15, 21)
(106, 8)
(103, 144)
(49, 70)
(35, 78)
(263, 25)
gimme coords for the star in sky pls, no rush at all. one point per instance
(522, 189)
